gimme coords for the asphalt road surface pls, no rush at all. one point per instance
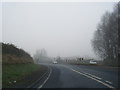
(80, 76)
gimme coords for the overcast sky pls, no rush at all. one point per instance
(63, 29)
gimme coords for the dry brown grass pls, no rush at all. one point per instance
(12, 59)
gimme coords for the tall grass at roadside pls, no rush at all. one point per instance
(12, 73)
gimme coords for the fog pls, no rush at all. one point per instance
(62, 29)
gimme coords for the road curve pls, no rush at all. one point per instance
(79, 76)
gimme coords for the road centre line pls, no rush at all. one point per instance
(108, 82)
(93, 76)
(109, 86)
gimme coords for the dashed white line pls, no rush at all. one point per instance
(108, 82)
(93, 76)
(46, 79)
(109, 86)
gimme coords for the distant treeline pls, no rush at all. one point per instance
(13, 55)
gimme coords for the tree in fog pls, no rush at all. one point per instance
(105, 41)
(40, 56)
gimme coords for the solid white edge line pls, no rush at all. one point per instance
(36, 81)
(94, 79)
(46, 79)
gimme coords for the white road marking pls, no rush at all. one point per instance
(36, 81)
(94, 79)
(46, 79)
(93, 76)
(108, 82)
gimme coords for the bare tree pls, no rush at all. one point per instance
(105, 41)
(40, 56)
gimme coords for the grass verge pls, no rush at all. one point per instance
(99, 65)
(12, 74)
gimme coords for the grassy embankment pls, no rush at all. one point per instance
(98, 64)
(12, 74)
(16, 64)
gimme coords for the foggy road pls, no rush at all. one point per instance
(60, 32)
(74, 76)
